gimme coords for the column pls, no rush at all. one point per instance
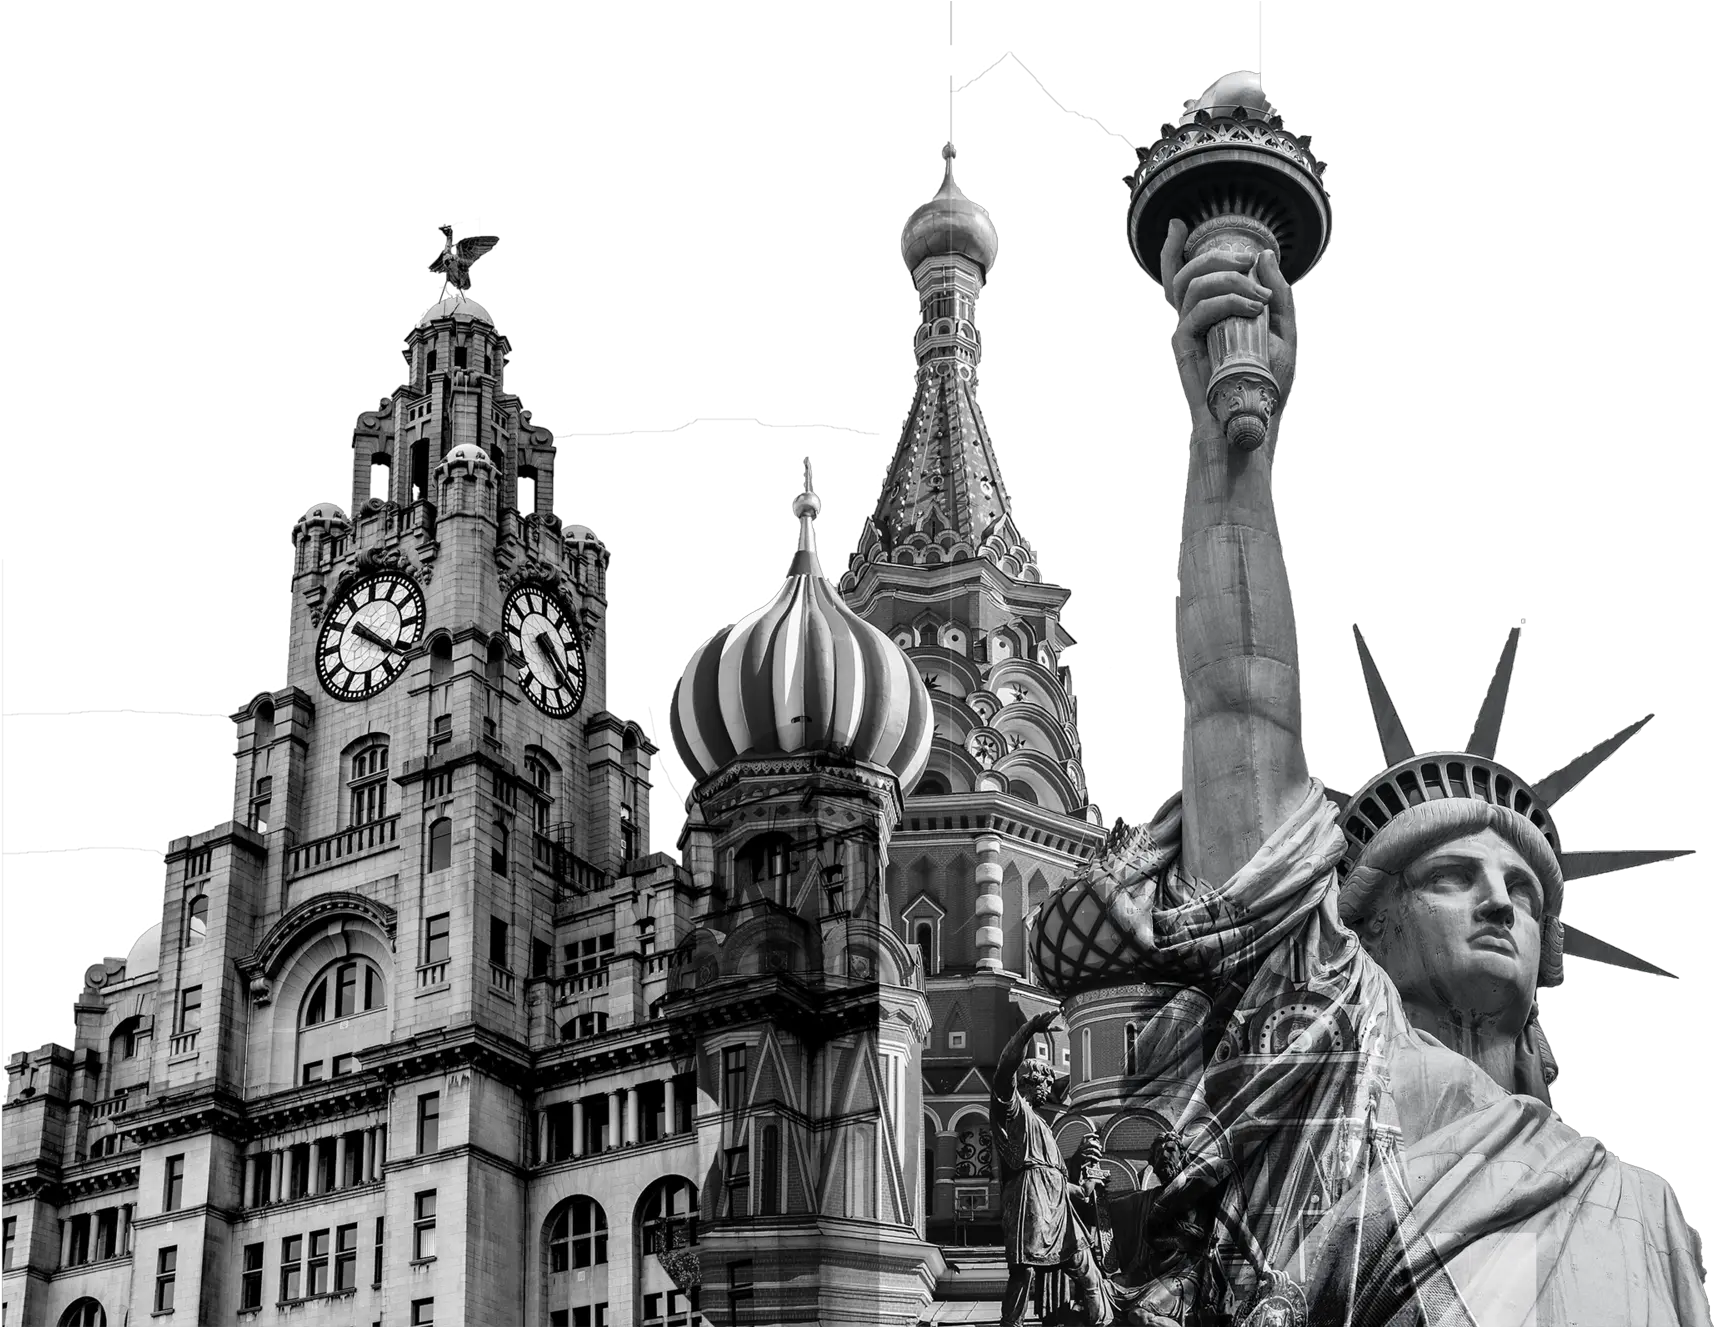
(633, 1116)
(577, 1127)
(368, 1161)
(277, 1190)
(124, 1228)
(250, 1168)
(315, 1167)
(65, 1243)
(672, 1108)
(616, 1117)
(380, 1148)
(339, 1148)
(990, 904)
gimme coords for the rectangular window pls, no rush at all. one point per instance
(380, 1244)
(166, 1277)
(345, 991)
(250, 1287)
(344, 1064)
(315, 1071)
(190, 1009)
(497, 947)
(422, 1313)
(738, 1180)
(461, 357)
(291, 1267)
(345, 1259)
(955, 1041)
(319, 1244)
(422, 1226)
(541, 958)
(77, 1245)
(646, 935)
(173, 1197)
(10, 1243)
(428, 1123)
(440, 844)
(735, 1078)
(437, 938)
(768, 1201)
(740, 1294)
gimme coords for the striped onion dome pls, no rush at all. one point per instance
(803, 673)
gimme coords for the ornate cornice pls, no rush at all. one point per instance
(262, 965)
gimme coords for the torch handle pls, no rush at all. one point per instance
(1242, 390)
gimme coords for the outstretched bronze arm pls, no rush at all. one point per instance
(1244, 767)
(1006, 1071)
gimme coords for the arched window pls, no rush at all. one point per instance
(440, 844)
(771, 865)
(367, 782)
(629, 835)
(1131, 1035)
(380, 476)
(539, 771)
(933, 785)
(419, 469)
(925, 942)
(344, 990)
(768, 1201)
(84, 1313)
(666, 1215)
(196, 920)
(577, 1237)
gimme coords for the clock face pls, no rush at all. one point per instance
(366, 634)
(539, 627)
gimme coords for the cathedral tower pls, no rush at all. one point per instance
(1002, 814)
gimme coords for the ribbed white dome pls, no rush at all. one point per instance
(803, 673)
(458, 306)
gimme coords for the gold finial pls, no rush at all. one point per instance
(806, 507)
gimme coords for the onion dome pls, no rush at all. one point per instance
(803, 673)
(950, 223)
(460, 308)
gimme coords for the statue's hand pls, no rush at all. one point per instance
(1216, 285)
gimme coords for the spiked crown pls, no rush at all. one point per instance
(1413, 779)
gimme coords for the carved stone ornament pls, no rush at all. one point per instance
(985, 747)
(377, 557)
(531, 571)
(261, 990)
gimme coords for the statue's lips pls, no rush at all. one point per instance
(1495, 939)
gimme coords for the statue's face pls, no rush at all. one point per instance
(1034, 1083)
(1462, 932)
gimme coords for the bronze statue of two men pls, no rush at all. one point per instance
(1360, 1129)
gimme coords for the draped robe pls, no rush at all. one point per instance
(1388, 1176)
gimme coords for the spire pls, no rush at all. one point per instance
(806, 506)
(944, 500)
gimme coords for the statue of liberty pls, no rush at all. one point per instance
(1362, 1127)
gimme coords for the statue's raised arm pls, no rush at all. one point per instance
(1244, 768)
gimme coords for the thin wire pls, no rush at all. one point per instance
(725, 419)
(60, 714)
(93, 847)
(1009, 55)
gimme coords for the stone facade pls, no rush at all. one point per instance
(426, 1032)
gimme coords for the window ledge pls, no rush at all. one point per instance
(423, 1262)
(426, 990)
(186, 1058)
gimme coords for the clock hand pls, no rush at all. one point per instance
(374, 638)
(544, 642)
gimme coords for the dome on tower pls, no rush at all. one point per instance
(460, 308)
(950, 223)
(803, 673)
(467, 452)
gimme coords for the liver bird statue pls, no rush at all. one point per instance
(458, 258)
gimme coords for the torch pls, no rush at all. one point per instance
(1231, 172)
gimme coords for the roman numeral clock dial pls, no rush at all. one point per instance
(366, 635)
(539, 626)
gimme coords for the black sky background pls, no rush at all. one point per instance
(227, 256)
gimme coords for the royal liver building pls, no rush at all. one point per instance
(429, 1033)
